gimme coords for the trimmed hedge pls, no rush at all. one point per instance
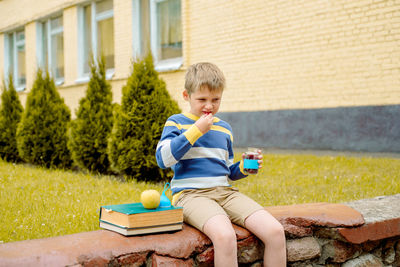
(138, 123)
(42, 132)
(90, 130)
(10, 115)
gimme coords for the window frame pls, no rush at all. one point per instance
(160, 65)
(40, 44)
(95, 18)
(13, 52)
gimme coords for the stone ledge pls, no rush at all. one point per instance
(299, 220)
(382, 219)
(317, 233)
(372, 231)
(317, 214)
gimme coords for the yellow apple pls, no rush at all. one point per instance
(150, 199)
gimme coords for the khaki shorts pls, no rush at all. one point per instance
(199, 205)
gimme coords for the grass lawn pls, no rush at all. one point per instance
(37, 202)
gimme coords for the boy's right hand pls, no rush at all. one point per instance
(205, 122)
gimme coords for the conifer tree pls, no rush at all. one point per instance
(10, 115)
(42, 132)
(138, 123)
(89, 132)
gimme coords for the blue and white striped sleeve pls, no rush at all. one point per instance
(173, 145)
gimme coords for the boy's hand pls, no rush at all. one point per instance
(205, 122)
(259, 157)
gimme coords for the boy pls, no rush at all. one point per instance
(198, 147)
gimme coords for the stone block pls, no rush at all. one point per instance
(366, 260)
(317, 214)
(302, 249)
(370, 245)
(328, 233)
(95, 262)
(131, 260)
(338, 252)
(378, 209)
(162, 261)
(294, 231)
(397, 257)
(389, 251)
(206, 258)
(372, 231)
(250, 250)
(241, 233)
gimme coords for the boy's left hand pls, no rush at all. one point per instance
(259, 157)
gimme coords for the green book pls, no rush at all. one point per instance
(137, 207)
(133, 218)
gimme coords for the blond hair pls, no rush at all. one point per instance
(204, 74)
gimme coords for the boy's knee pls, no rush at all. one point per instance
(276, 234)
(279, 231)
(226, 237)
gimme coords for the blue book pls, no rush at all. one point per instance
(133, 218)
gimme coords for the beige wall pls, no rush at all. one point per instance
(1, 59)
(300, 54)
(275, 54)
(70, 18)
(16, 13)
(30, 53)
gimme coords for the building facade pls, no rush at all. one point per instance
(313, 74)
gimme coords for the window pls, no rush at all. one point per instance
(15, 58)
(51, 47)
(157, 24)
(97, 35)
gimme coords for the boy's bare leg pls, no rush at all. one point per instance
(272, 234)
(219, 229)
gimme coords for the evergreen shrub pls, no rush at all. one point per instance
(10, 115)
(42, 132)
(138, 124)
(91, 128)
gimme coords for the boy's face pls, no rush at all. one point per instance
(203, 101)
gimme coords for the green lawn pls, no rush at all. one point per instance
(37, 202)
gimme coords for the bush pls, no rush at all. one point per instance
(10, 115)
(138, 123)
(42, 132)
(90, 130)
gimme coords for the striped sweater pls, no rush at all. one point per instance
(198, 160)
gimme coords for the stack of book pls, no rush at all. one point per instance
(134, 219)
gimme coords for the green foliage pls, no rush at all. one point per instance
(10, 115)
(90, 130)
(138, 123)
(42, 132)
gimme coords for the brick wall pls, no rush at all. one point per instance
(276, 54)
(306, 54)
